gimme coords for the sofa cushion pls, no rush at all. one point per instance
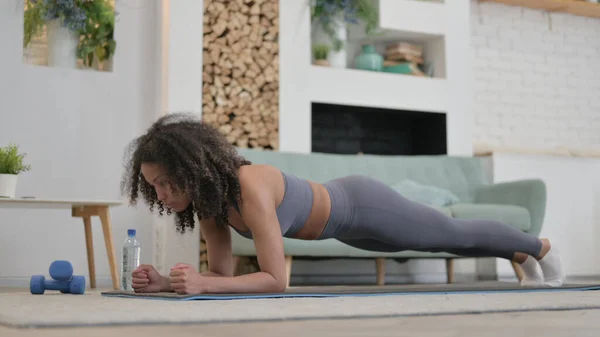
(513, 215)
(442, 209)
(460, 175)
(425, 194)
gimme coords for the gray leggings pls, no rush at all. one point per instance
(370, 215)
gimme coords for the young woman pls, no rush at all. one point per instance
(184, 166)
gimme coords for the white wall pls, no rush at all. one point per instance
(294, 106)
(536, 88)
(74, 126)
(572, 219)
(536, 78)
(181, 82)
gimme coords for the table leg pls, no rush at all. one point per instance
(89, 245)
(108, 240)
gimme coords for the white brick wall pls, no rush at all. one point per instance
(536, 78)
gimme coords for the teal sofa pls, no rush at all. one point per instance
(519, 203)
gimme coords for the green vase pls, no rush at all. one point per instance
(369, 59)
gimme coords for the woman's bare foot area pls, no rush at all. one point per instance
(545, 249)
(520, 258)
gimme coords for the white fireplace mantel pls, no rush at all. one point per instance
(444, 29)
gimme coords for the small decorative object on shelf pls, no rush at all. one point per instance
(369, 59)
(403, 58)
(11, 165)
(320, 52)
(78, 32)
(329, 19)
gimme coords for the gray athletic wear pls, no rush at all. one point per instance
(370, 215)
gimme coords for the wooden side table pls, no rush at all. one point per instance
(84, 209)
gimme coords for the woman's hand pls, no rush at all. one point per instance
(185, 279)
(146, 279)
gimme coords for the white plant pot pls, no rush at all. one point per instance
(62, 46)
(8, 185)
(336, 59)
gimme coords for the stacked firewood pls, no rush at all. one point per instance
(241, 70)
(240, 93)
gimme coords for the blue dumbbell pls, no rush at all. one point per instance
(63, 280)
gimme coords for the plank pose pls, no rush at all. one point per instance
(188, 168)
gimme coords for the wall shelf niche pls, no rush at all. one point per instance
(412, 31)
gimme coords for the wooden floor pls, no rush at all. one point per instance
(579, 323)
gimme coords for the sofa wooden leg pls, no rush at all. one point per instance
(380, 268)
(288, 268)
(517, 269)
(450, 270)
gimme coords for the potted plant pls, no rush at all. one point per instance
(76, 30)
(329, 19)
(11, 165)
(320, 52)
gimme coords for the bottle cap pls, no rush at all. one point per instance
(131, 232)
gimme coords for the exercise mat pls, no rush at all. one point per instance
(367, 290)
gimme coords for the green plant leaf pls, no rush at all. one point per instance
(11, 160)
(112, 46)
(101, 53)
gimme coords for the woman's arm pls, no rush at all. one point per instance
(269, 246)
(266, 232)
(259, 214)
(218, 248)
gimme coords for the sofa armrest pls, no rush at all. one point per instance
(528, 193)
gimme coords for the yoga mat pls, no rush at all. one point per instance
(354, 291)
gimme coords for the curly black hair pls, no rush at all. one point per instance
(199, 161)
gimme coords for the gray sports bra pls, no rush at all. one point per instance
(294, 209)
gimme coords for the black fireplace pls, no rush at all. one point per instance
(347, 129)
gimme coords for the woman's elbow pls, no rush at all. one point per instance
(278, 285)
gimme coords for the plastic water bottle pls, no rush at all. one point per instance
(130, 259)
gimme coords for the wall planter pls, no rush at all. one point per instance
(79, 33)
(62, 45)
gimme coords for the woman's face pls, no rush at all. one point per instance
(166, 191)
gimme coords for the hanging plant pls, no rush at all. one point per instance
(326, 13)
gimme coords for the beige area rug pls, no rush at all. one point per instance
(23, 310)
